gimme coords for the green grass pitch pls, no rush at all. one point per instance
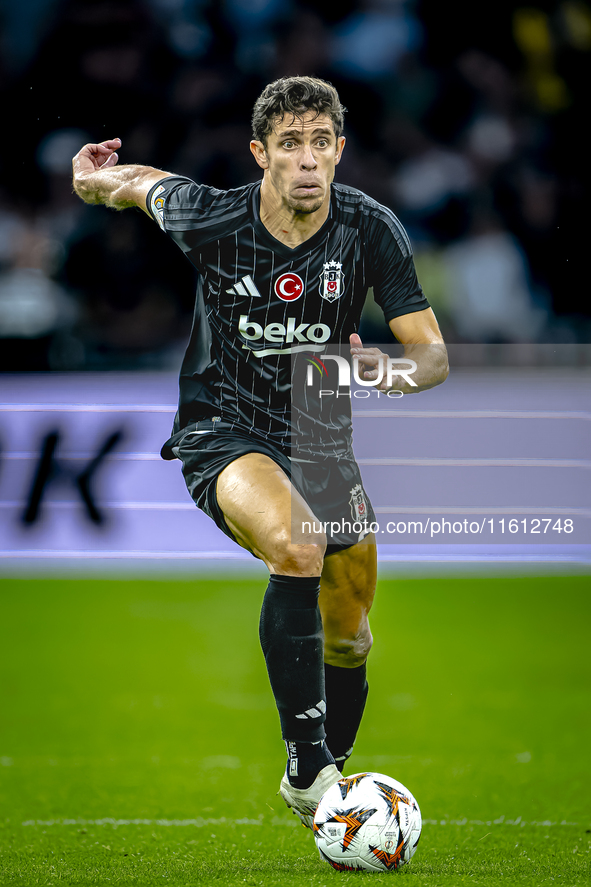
(139, 742)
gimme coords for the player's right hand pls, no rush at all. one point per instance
(93, 157)
(372, 361)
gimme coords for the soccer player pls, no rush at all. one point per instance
(284, 268)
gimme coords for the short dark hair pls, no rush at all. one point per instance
(295, 95)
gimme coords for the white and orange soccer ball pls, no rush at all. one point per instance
(369, 822)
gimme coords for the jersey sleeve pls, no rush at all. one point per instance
(193, 214)
(183, 209)
(168, 195)
(394, 279)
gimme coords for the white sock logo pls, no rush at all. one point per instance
(316, 712)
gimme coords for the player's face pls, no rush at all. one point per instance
(299, 160)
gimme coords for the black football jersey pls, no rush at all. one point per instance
(263, 309)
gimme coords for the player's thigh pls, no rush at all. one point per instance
(261, 508)
(347, 590)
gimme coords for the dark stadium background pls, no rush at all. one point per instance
(469, 124)
(467, 120)
(139, 743)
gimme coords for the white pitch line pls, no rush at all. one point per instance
(202, 822)
(199, 822)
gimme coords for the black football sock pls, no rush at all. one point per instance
(291, 636)
(346, 692)
(305, 760)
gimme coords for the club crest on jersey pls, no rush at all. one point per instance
(332, 281)
(358, 503)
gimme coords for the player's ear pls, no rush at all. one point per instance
(339, 149)
(259, 153)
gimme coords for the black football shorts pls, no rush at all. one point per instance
(332, 488)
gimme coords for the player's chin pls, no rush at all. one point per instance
(307, 206)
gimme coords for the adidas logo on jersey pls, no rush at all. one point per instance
(244, 287)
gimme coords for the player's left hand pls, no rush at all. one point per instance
(369, 361)
(93, 157)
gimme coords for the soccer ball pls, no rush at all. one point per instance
(369, 822)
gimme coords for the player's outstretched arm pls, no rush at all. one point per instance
(98, 179)
(423, 345)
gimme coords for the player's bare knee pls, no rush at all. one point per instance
(291, 559)
(301, 560)
(348, 652)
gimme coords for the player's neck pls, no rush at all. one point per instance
(287, 225)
